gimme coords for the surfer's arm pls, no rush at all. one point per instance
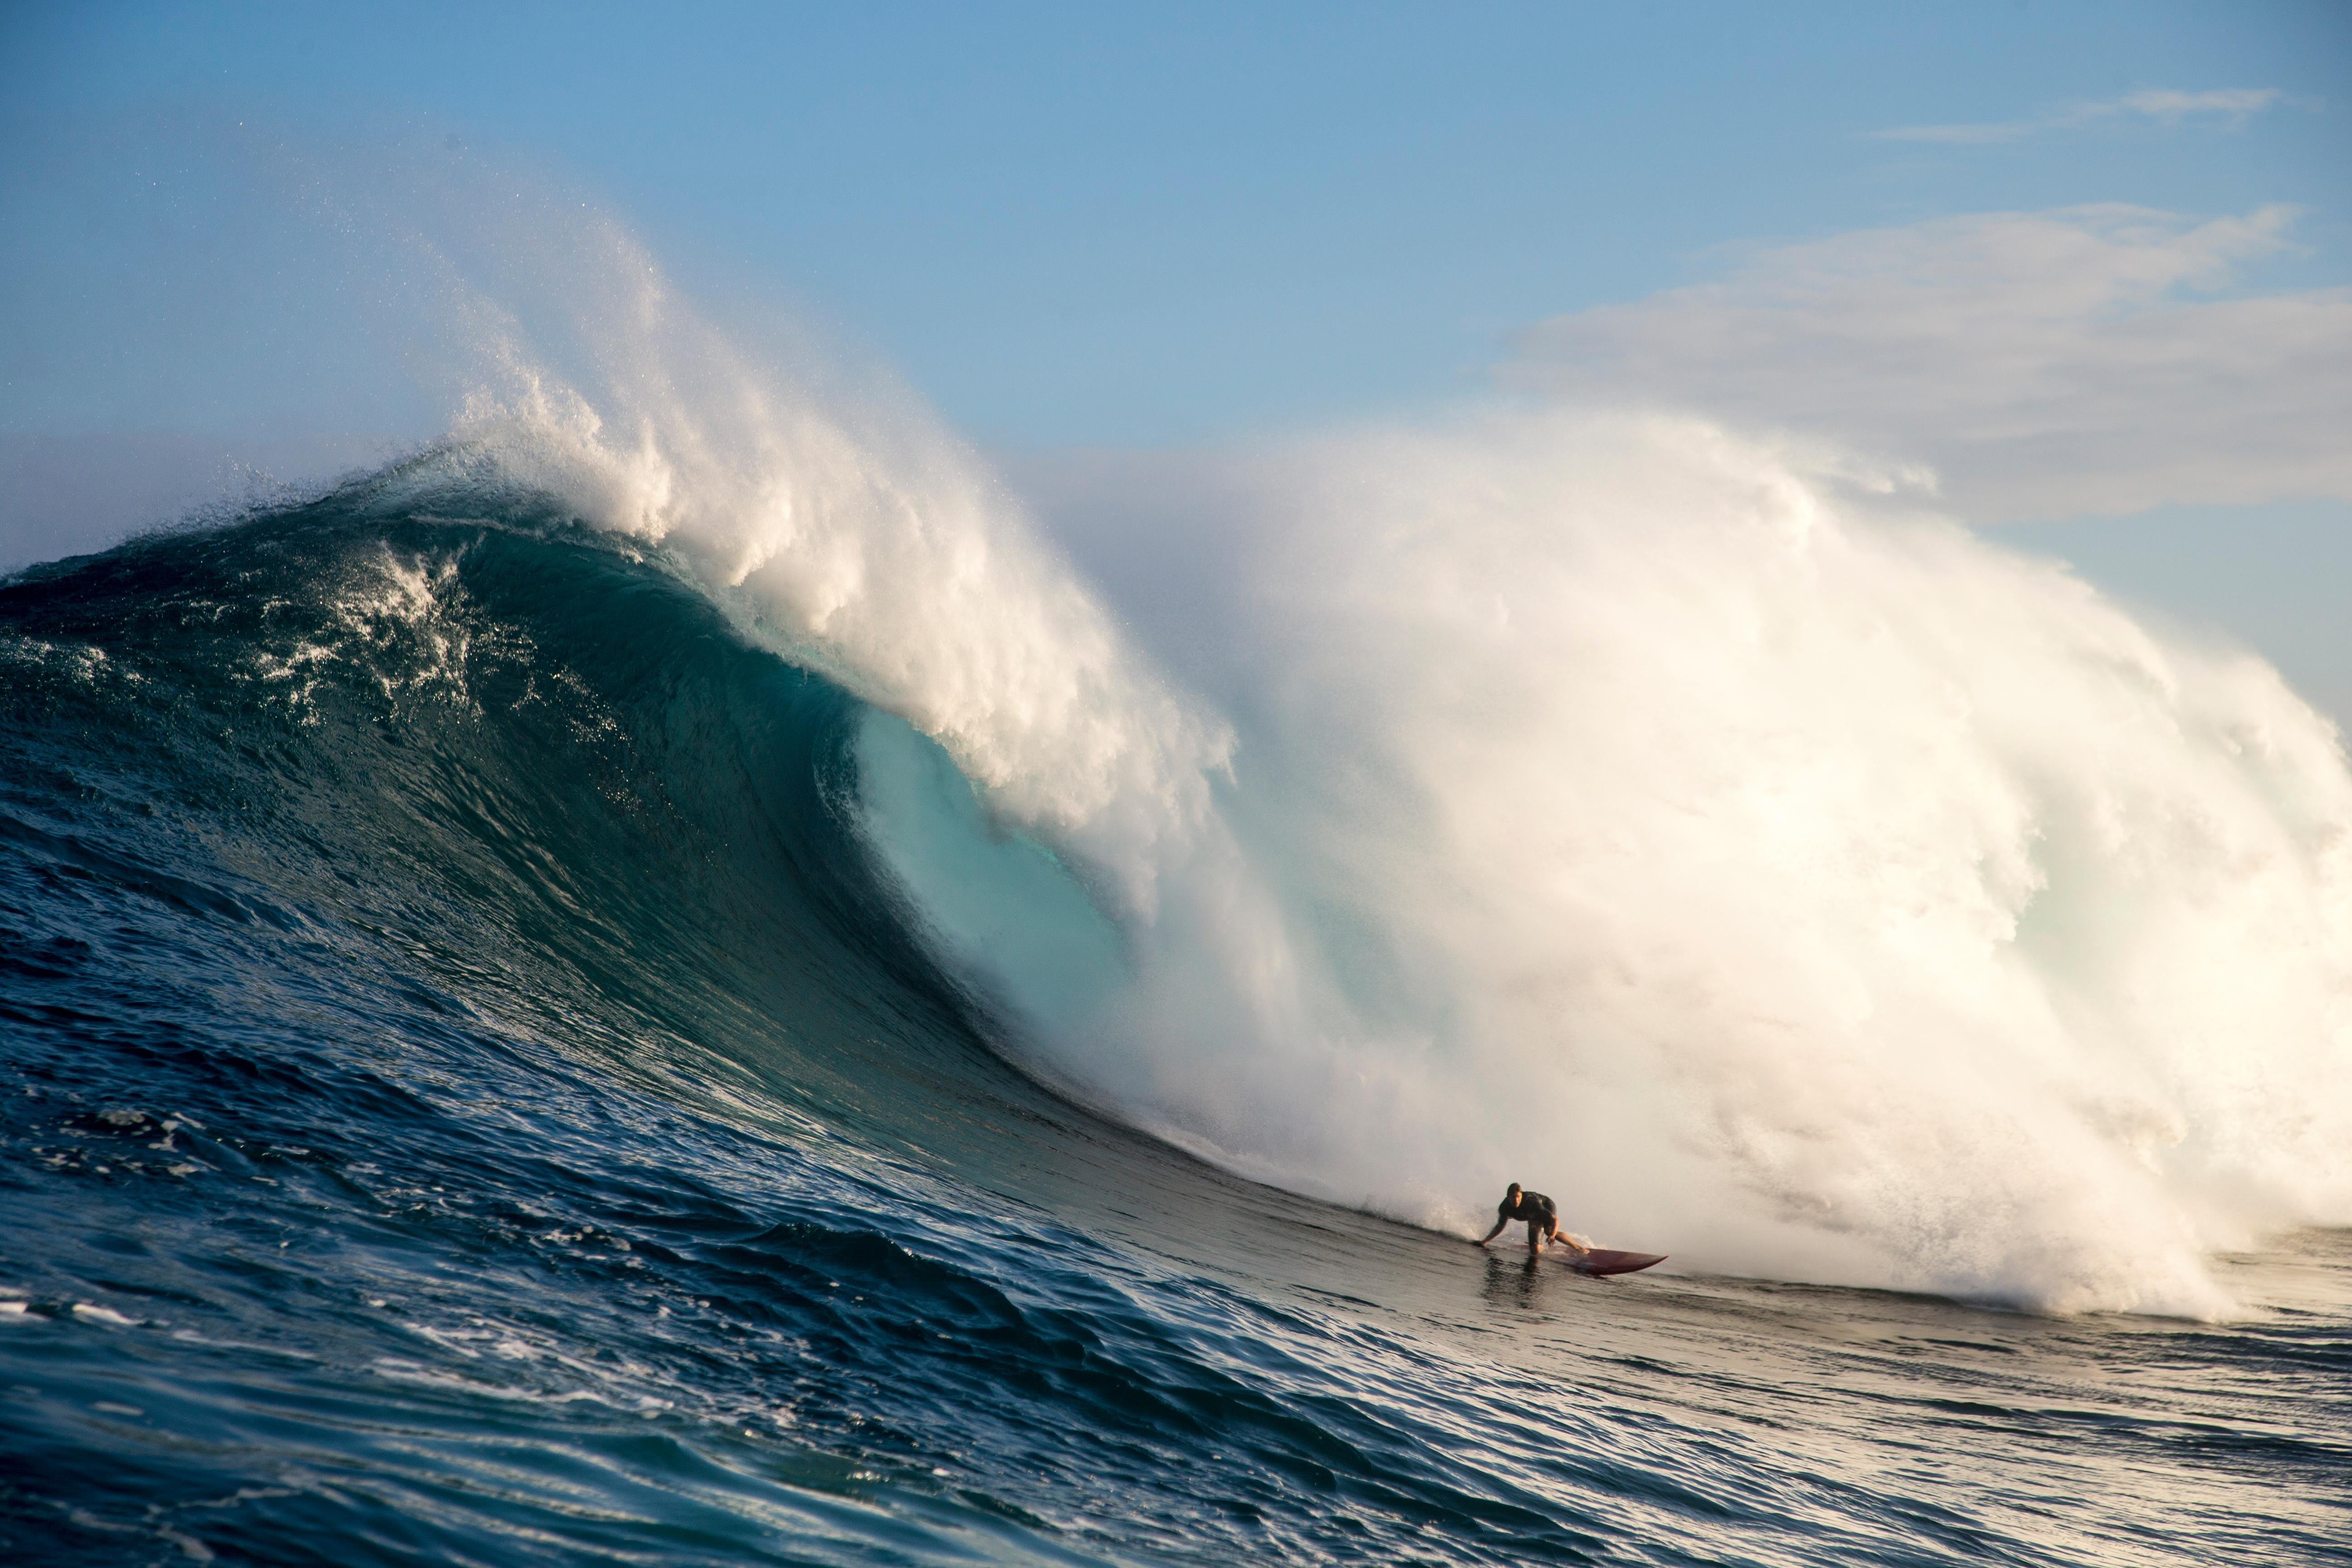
(1494, 1233)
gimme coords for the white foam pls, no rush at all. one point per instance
(92, 1312)
(1631, 810)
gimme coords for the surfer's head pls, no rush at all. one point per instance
(1514, 1192)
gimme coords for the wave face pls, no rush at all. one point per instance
(505, 1065)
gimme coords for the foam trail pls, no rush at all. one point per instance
(1622, 807)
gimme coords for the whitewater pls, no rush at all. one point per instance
(670, 975)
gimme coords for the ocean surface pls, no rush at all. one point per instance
(474, 1092)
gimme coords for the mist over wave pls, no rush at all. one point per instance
(1806, 889)
(1617, 805)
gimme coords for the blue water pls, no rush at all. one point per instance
(469, 1098)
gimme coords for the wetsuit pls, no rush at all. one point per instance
(1537, 1210)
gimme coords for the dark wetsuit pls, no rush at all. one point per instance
(1537, 1210)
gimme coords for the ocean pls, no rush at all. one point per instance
(517, 1046)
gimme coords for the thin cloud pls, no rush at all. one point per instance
(2042, 364)
(2228, 107)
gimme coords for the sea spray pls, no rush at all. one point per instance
(860, 540)
(1814, 889)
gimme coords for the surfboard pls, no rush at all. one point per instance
(1603, 1261)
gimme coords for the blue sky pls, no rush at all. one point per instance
(1117, 227)
(1087, 225)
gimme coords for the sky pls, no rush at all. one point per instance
(2088, 263)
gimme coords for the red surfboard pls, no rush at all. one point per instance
(1602, 1260)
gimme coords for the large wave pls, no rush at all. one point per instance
(1649, 813)
(1822, 890)
(1616, 805)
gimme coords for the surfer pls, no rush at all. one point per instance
(1542, 1216)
